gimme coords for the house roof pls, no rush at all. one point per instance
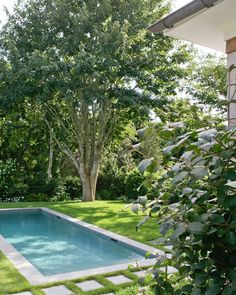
(205, 22)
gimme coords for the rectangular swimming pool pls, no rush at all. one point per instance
(53, 244)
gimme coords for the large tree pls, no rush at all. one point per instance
(90, 65)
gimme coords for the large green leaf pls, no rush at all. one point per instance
(196, 291)
(180, 176)
(168, 149)
(231, 184)
(199, 171)
(213, 291)
(208, 135)
(196, 228)
(144, 164)
(180, 229)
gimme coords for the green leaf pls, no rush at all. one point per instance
(168, 149)
(142, 200)
(177, 125)
(213, 291)
(233, 224)
(180, 176)
(187, 190)
(200, 171)
(182, 141)
(166, 134)
(187, 156)
(196, 228)
(142, 222)
(227, 291)
(231, 184)
(196, 291)
(135, 208)
(208, 135)
(231, 68)
(180, 229)
(217, 218)
(176, 168)
(144, 164)
(231, 238)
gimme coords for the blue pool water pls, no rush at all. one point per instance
(54, 245)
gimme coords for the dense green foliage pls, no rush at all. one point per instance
(89, 68)
(195, 207)
(208, 84)
(12, 186)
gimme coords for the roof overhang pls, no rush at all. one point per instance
(205, 22)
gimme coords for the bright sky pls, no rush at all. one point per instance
(9, 4)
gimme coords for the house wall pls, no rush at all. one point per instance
(231, 64)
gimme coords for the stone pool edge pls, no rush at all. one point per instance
(36, 278)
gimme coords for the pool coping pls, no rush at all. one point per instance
(36, 278)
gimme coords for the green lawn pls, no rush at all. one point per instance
(106, 214)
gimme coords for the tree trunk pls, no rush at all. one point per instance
(50, 160)
(89, 182)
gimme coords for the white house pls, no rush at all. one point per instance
(210, 23)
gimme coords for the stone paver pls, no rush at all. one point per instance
(89, 285)
(58, 290)
(120, 279)
(140, 273)
(170, 269)
(23, 293)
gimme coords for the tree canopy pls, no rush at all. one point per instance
(89, 66)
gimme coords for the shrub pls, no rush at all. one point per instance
(73, 187)
(110, 185)
(39, 184)
(133, 184)
(39, 197)
(201, 224)
(12, 186)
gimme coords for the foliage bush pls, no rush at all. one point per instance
(73, 187)
(12, 186)
(39, 197)
(133, 184)
(110, 185)
(40, 185)
(201, 224)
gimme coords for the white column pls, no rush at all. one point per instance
(231, 64)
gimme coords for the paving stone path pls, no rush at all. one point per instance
(58, 290)
(91, 285)
(117, 280)
(140, 273)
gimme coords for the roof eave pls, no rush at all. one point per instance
(181, 14)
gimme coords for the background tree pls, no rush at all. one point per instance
(207, 82)
(90, 65)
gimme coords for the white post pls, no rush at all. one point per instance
(231, 64)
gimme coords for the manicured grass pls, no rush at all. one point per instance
(10, 279)
(106, 214)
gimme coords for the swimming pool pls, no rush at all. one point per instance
(48, 245)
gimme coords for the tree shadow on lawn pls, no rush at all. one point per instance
(116, 220)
